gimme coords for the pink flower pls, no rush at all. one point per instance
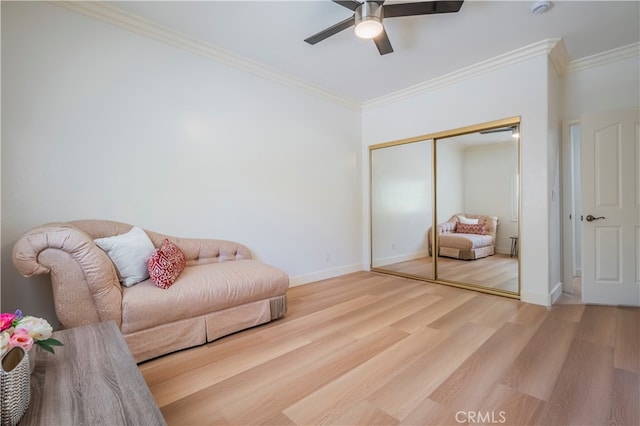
(25, 331)
(5, 320)
(20, 337)
(38, 328)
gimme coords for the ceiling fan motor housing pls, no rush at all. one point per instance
(368, 19)
(369, 10)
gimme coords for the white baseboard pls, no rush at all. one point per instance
(502, 250)
(556, 292)
(400, 258)
(323, 275)
(543, 299)
(536, 298)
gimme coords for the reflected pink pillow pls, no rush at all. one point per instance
(462, 228)
(166, 264)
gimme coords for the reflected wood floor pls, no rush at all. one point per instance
(499, 271)
(373, 349)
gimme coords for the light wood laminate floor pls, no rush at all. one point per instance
(374, 349)
(499, 271)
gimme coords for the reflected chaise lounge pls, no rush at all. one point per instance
(466, 241)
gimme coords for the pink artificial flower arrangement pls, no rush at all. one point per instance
(25, 331)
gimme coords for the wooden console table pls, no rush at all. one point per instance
(91, 380)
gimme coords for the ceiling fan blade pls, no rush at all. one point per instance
(421, 8)
(349, 4)
(382, 43)
(334, 29)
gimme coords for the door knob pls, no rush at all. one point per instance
(591, 218)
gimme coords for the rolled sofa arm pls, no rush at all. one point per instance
(446, 228)
(443, 228)
(84, 281)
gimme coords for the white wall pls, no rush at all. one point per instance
(519, 89)
(554, 139)
(610, 86)
(99, 122)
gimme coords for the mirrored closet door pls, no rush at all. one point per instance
(402, 208)
(445, 207)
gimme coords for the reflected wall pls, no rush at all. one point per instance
(401, 204)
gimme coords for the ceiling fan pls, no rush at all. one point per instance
(368, 16)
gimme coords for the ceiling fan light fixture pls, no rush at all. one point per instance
(368, 20)
(369, 28)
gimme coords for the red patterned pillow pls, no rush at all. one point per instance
(462, 228)
(165, 264)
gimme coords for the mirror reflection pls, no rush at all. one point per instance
(477, 199)
(401, 207)
(464, 184)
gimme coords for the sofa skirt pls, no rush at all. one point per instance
(472, 254)
(183, 334)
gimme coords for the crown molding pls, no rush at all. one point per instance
(114, 16)
(534, 50)
(554, 48)
(559, 57)
(613, 55)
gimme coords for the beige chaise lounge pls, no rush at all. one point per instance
(466, 246)
(220, 291)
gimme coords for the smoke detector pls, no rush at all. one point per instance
(540, 7)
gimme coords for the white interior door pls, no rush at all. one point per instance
(611, 216)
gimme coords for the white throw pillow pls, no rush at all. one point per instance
(467, 221)
(130, 254)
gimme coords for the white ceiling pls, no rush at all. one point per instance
(271, 33)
